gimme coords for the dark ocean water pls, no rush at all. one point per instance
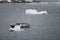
(42, 27)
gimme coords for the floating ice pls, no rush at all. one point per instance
(33, 11)
(16, 28)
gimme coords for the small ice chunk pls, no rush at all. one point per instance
(17, 28)
(33, 11)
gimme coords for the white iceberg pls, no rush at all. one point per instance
(33, 11)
